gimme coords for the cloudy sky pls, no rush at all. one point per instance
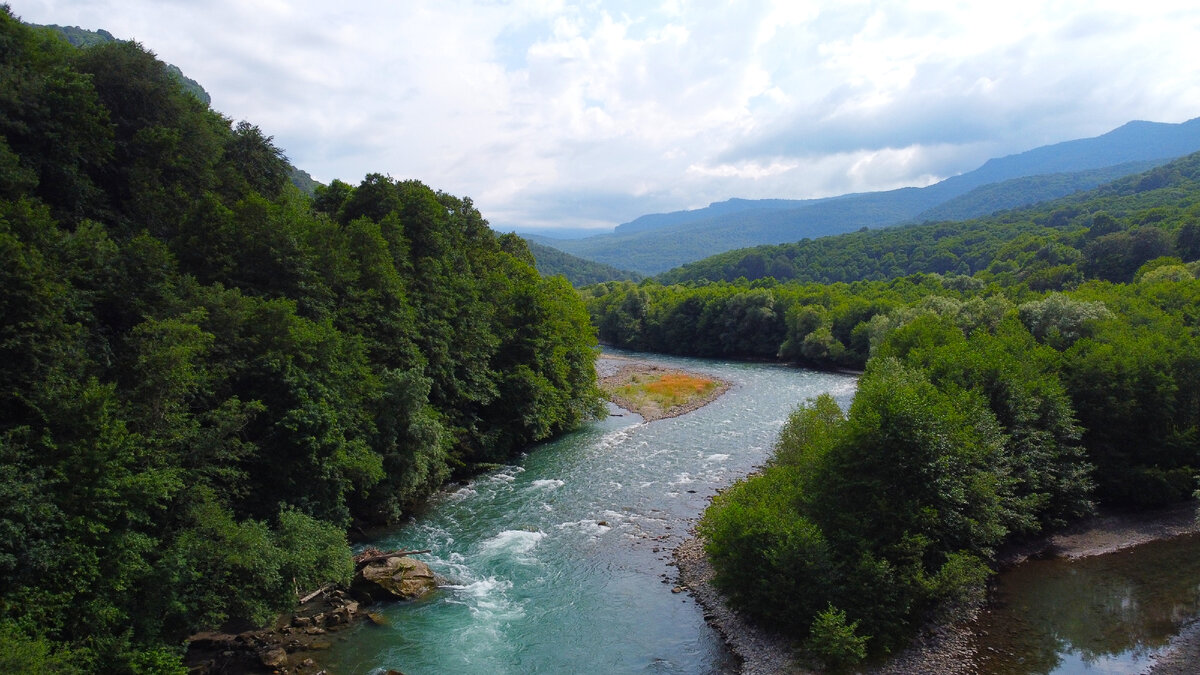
(558, 114)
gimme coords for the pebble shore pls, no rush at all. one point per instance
(759, 652)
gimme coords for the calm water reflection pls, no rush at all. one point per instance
(1105, 614)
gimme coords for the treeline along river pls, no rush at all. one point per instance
(560, 563)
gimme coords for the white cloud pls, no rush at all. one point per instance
(549, 113)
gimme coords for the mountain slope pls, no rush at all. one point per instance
(655, 243)
(1042, 245)
(83, 38)
(1017, 192)
(551, 261)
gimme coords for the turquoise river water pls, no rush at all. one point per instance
(559, 562)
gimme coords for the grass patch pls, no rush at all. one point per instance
(666, 391)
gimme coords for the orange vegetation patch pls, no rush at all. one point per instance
(655, 392)
(675, 385)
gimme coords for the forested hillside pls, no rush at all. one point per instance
(1061, 373)
(580, 272)
(207, 376)
(1105, 232)
(1017, 192)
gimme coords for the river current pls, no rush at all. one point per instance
(560, 562)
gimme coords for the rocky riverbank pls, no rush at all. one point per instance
(759, 652)
(295, 643)
(946, 650)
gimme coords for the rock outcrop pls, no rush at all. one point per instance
(395, 578)
(285, 647)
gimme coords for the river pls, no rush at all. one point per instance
(560, 562)
(1109, 614)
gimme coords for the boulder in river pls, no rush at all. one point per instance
(395, 578)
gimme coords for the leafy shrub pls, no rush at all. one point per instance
(768, 556)
(834, 641)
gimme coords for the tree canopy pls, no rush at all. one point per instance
(207, 376)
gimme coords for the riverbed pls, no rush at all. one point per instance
(561, 562)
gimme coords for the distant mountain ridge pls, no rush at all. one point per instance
(1140, 217)
(657, 242)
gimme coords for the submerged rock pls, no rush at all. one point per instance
(395, 578)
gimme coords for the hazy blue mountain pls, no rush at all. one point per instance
(1058, 237)
(658, 242)
(735, 205)
(1017, 192)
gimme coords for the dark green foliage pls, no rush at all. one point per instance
(834, 641)
(888, 513)
(205, 377)
(768, 553)
(80, 37)
(985, 412)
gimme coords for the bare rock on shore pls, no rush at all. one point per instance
(396, 578)
(281, 649)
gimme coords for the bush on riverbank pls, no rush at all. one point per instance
(959, 437)
(885, 513)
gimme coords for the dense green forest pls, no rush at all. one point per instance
(1061, 374)
(88, 38)
(207, 376)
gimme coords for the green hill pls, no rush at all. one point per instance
(1018, 192)
(971, 246)
(580, 272)
(83, 38)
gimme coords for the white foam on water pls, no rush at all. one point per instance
(487, 599)
(586, 526)
(613, 516)
(464, 492)
(614, 438)
(507, 474)
(516, 544)
(548, 484)
(716, 457)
